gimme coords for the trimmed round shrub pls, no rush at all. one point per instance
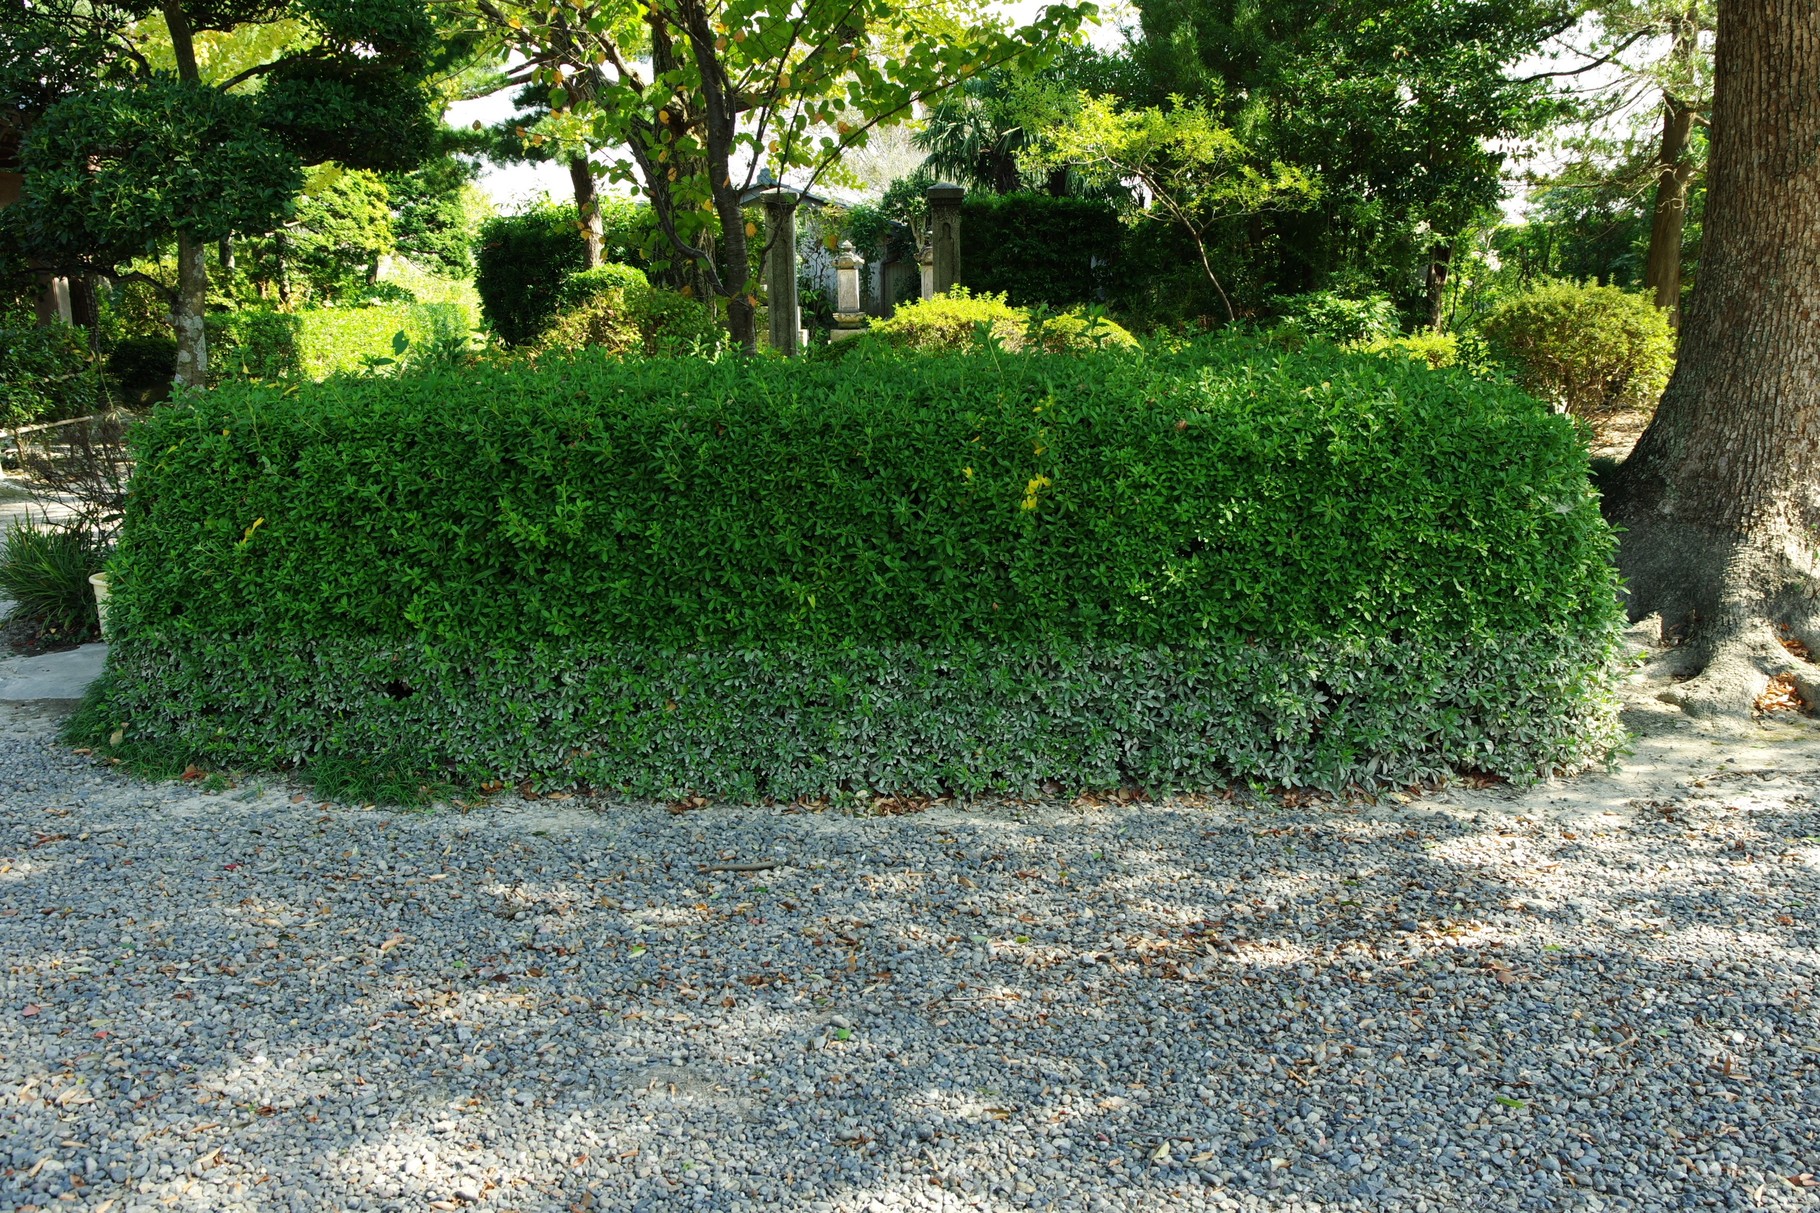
(142, 368)
(670, 322)
(601, 321)
(580, 287)
(751, 577)
(621, 315)
(520, 264)
(1586, 349)
(47, 373)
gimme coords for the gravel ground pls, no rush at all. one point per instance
(1599, 994)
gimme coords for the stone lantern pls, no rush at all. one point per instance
(849, 314)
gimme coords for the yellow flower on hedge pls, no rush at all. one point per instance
(1037, 484)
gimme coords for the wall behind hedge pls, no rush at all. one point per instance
(651, 559)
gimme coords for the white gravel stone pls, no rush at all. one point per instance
(1593, 995)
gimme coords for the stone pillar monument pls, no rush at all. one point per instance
(780, 272)
(945, 233)
(925, 264)
(849, 315)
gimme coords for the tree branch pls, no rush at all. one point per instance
(1636, 36)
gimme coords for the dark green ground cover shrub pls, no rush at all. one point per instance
(963, 571)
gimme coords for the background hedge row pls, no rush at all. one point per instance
(965, 571)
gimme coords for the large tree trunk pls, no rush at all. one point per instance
(721, 123)
(192, 264)
(192, 301)
(1440, 262)
(587, 206)
(1721, 499)
(1662, 266)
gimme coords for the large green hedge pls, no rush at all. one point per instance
(966, 571)
(1034, 248)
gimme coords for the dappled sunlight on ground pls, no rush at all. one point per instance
(1596, 993)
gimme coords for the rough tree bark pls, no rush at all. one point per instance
(732, 275)
(192, 300)
(192, 262)
(1440, 261)
(1662, 264)
(1674, 170)
(1720, 502)
(587, 206)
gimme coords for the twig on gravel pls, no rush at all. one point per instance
(764, 865)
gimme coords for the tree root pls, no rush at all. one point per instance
(1726, 675)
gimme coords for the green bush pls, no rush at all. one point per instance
(1587, 349)
(142, 367)
(349, 340)
(957, 319)
(47, 373)
(131, 307)
(1335, 318)
(254, 342)
(1038, 249)
(1078, 330)
(45, 571)
(672, 323)
(520, 264)
(952, 321)
(600, 321)
(975, 571)
(614, 310)
(580, 287)
(1436, 349)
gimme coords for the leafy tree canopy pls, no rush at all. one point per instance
(1398, 107)
(703, 98)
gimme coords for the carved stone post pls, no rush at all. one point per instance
(849, 315)
(780, 272)
(925, 264)
(945, 233)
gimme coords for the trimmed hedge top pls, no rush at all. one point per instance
(1225, 490)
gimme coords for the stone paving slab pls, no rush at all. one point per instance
(64, 675)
